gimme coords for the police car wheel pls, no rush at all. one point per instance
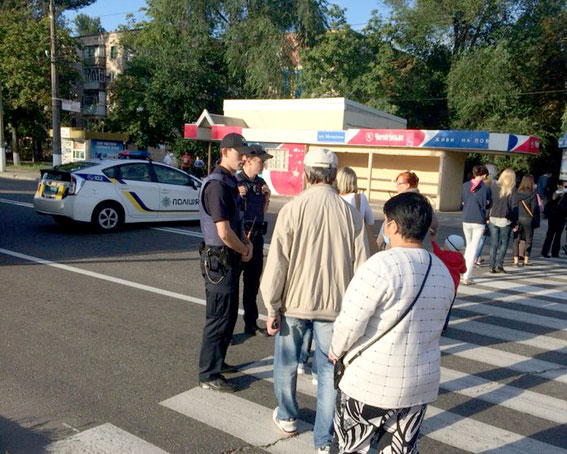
(107, 217)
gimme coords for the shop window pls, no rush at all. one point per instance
(280, 160)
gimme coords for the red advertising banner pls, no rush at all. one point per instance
(388, 137)
(218, 132)
(190, 131)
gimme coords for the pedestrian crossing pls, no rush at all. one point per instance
(503, 380)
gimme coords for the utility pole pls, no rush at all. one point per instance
(54, 88)
(2, 149)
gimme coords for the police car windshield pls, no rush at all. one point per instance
(73, 166)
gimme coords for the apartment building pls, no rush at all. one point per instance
(102, 58)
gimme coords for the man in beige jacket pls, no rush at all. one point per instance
(317, 244)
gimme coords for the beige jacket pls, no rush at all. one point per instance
(317, 244)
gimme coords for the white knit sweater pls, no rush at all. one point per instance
(402, 369)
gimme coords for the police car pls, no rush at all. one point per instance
(111, 192)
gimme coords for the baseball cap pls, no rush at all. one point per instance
(236, 141)
(258, 150)
(320, 157)
(454, 243)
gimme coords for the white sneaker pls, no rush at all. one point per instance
(301, 369)
(287, 426)
(314, 379)
(324, 450)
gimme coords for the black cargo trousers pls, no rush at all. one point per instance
(221, 274)
(251, 272)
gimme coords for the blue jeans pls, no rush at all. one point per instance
(286, 356)
(499, 238)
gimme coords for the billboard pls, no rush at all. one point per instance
(105, 149)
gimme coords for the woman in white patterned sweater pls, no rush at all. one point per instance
(388, 332)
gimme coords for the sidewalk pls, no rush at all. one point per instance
(30, 175)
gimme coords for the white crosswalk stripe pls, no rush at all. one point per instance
(104, 439)
(467, 433)
(453, 426)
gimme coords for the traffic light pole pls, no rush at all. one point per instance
(54, 88)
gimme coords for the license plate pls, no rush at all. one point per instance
(53, 190)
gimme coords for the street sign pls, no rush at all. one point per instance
(71, 106)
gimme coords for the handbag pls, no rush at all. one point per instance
(340, 365)
(535, 221)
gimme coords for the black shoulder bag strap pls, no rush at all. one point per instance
(340, 365)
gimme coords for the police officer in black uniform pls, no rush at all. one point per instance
(255, 195)
(223, 250)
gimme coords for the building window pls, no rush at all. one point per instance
(280, 160)
(113, 52)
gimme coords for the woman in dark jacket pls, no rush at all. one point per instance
(528, 216)
(556, 212)
(501, 218)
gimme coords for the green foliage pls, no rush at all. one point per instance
(174, 73)
(25, 71)
(87, 25)
(191, 54)
(484, 91)
(328, 68)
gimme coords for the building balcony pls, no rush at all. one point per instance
(96, 110)
(93, 86)
(95, 61)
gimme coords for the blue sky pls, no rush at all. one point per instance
(113, 13)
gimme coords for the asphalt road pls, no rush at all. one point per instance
(110, 327)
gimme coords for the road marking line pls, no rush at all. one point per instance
(190, 233)
(15, 202)
(104, 277)
(502, 359)
(113, 279)
(477, 437)
(453, 429)
(512, 314)
(517, 286)
(103, 439)
(242, 419)
(470, 325)
(521, 400)
(536, 303)
(178, 231)
(518, 399)
(163, 229)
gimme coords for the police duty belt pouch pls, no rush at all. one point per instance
(214, 263)
(340, 365)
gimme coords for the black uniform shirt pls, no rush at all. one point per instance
(254, 200)
(219, 199)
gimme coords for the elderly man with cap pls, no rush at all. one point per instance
(255, 195)
(222, 251)
(317, 244)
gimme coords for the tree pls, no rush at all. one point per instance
(175, 71)
(191, 54)
(86, 25)
(24, 71)
(327, 67)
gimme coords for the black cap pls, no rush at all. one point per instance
(236, 141)
(258, 150)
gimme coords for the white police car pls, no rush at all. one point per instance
(108, 193)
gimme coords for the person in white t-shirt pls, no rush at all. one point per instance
(347, 185)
